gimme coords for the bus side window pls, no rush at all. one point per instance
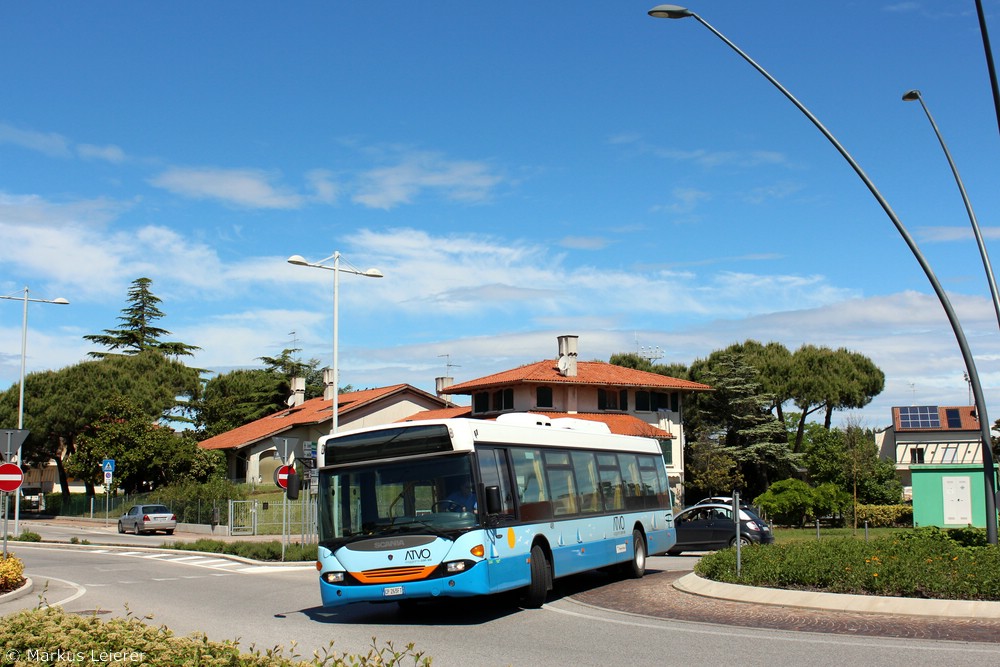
(533, 494)
(493, 471)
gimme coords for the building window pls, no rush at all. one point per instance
(503, 400)
(642, 401)
(612, 400)
(668, 451)
(481, 402)
(543, 397)
(917, 455)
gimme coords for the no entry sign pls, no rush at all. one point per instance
(281, 475)
(10, 477)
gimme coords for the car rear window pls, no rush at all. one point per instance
(156, 509)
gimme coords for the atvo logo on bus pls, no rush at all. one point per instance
(417, 554)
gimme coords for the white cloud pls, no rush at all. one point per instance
(247, 188)
(48, 143)
(109, 153)
(417, 172)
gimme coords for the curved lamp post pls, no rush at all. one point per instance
(20, 392)
(298, 260)
(914, 95)
(989, 59)
(677, 12)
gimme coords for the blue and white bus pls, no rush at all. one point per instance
(548, 498)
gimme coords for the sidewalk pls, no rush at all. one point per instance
(660, 595)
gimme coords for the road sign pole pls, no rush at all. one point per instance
(5, 497)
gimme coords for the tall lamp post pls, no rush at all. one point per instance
(337, 269)
(677, 12)
(914, 95)
(20, 392)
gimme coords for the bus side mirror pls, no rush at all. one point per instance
(292, 488)
(494, 505)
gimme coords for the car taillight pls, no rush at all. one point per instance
(145, 517)
(173, 517)
(750, 525)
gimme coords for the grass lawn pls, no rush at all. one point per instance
(788, 535)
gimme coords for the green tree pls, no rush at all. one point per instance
(147, 455)
(709, 469)
(848, 458)
(824, 380)
(138, 333)
(738, 414)
(66, 402)
(239, 397)
(640, 363)
(787, 501)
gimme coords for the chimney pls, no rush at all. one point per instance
(442, 383)
(327, 384)
(298, 396)
(567, 355)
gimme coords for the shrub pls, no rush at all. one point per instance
(255, 550)
(50, 635)
(878, 516)
(28, 536)
(11, 573)
(923, 563)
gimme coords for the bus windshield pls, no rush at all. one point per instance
(428, 495)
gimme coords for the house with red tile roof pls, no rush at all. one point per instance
(255, 450)
(629, 401)
(930, 435)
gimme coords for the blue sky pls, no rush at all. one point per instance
(517, 174)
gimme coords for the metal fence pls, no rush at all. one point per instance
(296, 518)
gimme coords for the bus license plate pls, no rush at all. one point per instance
(390, 591)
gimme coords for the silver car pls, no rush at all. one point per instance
(147, 519)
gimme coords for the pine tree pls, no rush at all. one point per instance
(138, 334)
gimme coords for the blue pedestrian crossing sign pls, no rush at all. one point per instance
(108, 465)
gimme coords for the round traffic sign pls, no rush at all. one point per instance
(10, 477)
(281, 476)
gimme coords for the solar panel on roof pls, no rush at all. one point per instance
(954, 418)
(919, 416)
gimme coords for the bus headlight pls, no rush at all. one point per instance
(333, 577)
(455, 566)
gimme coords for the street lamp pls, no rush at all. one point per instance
(910, 96)
(20, 393)
(298, 260)
(676, 12)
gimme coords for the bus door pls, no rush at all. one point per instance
(494, 470)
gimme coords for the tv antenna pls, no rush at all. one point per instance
(447, 364)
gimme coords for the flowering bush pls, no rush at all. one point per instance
(11, 573)
(51, 635)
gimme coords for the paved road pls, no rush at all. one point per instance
(654, 596)
(271, 606)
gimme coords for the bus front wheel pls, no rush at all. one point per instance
(541, 578)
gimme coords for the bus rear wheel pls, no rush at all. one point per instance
(541, 578)
(636, 567)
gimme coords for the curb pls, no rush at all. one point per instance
(25, 588)
(180, 552)
(980, 609)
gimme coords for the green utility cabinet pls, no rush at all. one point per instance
(949, 496)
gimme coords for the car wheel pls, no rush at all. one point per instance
(636, 567)
(121, 528)
(135, 529)
(744, 541)
(541, 578)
